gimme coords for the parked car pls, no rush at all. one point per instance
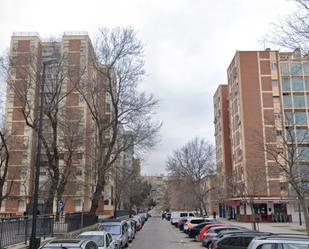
(239, 240)
(191, 222)
(69, 243)
(143, 218)
(131, 230)
(102, 239)
(213, 232)
(138, 220)
(181, 223)
(119, 231)
(176, 216)
(289, 241)
(232, 232)
(195, 230)
(205, 228)
(168, 216)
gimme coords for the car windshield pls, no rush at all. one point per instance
(113, 229)
(98, 239)
(197, 221)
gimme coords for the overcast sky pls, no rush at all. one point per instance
(188, 47)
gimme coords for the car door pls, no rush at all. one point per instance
(232, 243)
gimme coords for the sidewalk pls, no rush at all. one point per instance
(270, 227)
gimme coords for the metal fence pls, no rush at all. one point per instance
(14, 230)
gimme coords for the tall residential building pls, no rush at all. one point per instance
(263, 88)
(74, 52)
(222, 135)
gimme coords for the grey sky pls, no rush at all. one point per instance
(188, 47)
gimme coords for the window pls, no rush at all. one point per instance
(302, 135)
(287, 100)
(295, 246)
(296, 68)
(79, 171)
(303, 153)
(289, 118)
(299, 101)
(285, 68)
(278, 133)
(300, 118)
(273, 66)
(277, 116)
(267, 246)
(283, 186)
(307, 83)
(290, 135)
(306, 68)
(297, 84)
(286, 84)
(280, 151)
(274, 83)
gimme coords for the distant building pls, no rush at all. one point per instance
(158, 189)
(28, 51)
(264, 87)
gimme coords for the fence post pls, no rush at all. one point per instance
(26, 230)
(52, 224)
(1, 231)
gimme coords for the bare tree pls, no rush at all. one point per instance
(293, 31)
(248, 189)
(194, 163)
(4, 164)
(58, 85)
(291, 160)
(118, 67)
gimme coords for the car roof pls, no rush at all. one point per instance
(283, 237)
(111, 223)
(222, 227)
(196, 218)
(94, 233)
(67, 242)
(111, 220)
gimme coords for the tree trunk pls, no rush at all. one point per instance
(49, 205)
(96, 197)
(305, 210)
(204, 207)
(253, 217)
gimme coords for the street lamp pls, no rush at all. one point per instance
(33, 240)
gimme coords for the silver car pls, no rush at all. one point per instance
(103, 239)
(70, 244)
(119, 232)
(284, 241)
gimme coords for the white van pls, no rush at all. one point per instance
(176, 216)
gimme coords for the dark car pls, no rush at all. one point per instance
(236, 240)
(194, 231)
(213, 232)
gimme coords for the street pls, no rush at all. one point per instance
(159, 234)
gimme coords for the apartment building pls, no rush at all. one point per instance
(222, 135)
(73, 52)
(158, 189)
(264, 87)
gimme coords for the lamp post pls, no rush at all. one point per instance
(33, 240)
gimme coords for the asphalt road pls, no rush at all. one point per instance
(159, 234)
